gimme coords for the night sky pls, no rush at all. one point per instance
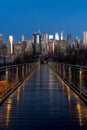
(19, 17)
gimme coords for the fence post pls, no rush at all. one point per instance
(29, 68)
(74, 77)
(80, 80)
(70, 74)
(26, 70)
(63, 72)
(6, 80)
(17, 74)
(22, 71)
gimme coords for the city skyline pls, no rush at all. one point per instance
(26, 17)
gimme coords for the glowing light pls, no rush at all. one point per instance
(8, 113)
(79, 114)
(80, 71)
(69, 94)
(18, 95)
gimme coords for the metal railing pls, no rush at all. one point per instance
(12, 76)
(74, 76)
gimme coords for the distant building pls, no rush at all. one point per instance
(36, 41)
(77, 42)
(51, 46)
(45, 43)
(23, 48)
(51, 37)
(68, 40)
(18, 50)
(85, 39)
(61, 35)
(10, 45)
(45, 37)
(23, 37)
(56, 37)
(1, 36)
(61, 46)
(5, 54)
(4, 58)
(29, 48)
(24, 45)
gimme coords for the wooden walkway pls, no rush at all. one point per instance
(44, 102)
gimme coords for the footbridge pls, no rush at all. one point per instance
(43, 97)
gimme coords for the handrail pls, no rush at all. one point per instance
(75, 76)
(71, 65)
(13, 75)
(8, 66)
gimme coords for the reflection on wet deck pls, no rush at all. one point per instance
(43, 103)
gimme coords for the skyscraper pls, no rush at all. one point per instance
(22, 37)
(45, 37)
(36, 40)
(10, 45)
(68, 40)
(45, 43)
(85, 39)
(61, 35)
(77, 42)
(57, 36)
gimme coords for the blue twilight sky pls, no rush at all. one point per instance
(19, 17)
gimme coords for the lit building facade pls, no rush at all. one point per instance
(10, 45)
(45, 43)
(61, 35)
(36, 40)
(22, 37)
(85, 39)
(51, 37)
(56, 37)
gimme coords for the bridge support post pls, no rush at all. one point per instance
(17, 74)
(6, 80)
(26, 70)
(63, 72)
(23, 71)
(29, 68)
(74, 77)
(80, 81)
